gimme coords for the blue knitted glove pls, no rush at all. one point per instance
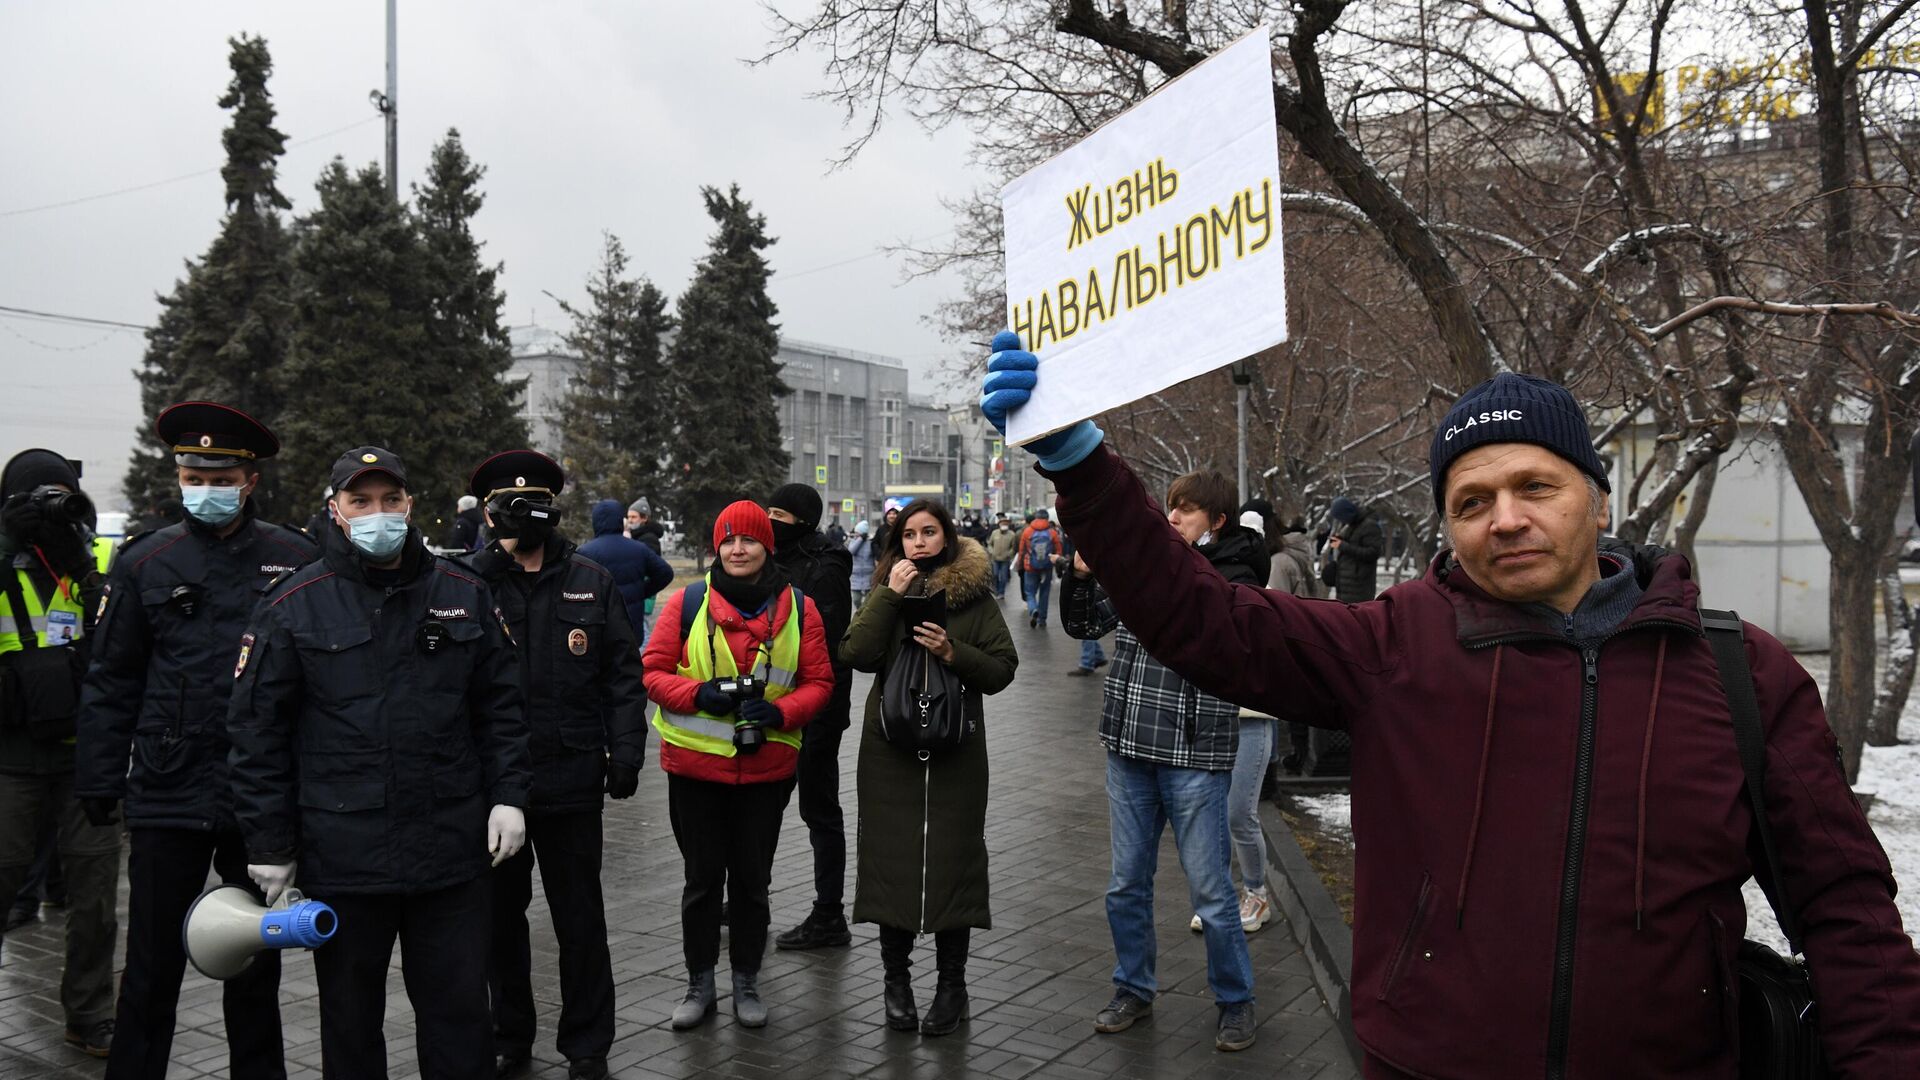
(1012, 373)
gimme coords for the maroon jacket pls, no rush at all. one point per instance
(1502, 922)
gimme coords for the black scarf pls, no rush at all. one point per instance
(749, 595)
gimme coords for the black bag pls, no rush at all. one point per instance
(1778, 1037)
(923, 704)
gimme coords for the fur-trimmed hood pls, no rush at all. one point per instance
(966, 579)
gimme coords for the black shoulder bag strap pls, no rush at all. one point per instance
(1725, 635)
(17, 600)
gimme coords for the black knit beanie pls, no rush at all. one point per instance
(800, 500)
(1514, 408)
(30, 469)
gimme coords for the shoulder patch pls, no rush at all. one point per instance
(276, 569)
(246, 651)
(504, 628)
(105, 592)
(579, 596)
(449, 612)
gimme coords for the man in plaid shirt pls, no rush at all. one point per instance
(1170, 757)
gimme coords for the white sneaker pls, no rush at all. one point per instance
(1195, 925)
(1255, 910)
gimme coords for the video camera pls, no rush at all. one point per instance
(520, 514)
(747, 738)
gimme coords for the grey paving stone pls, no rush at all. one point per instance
(1035, 979)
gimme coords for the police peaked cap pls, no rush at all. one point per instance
(208, 435)
(527, 471)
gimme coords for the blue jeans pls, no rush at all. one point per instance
(1243, 799)
(1002, 573)
(1142, 800)
(1091, 653)
(1039, 584)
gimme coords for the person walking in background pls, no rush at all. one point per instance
(836, 533)
(642, 527)
(467, 521)
(638, 570)
(580, 675)
(923, 854)
(1039, 547)
(889, 513)
(1293, 574)
(820, 569)
(730, 747)
(1003, 543)
(1171, 755)
(861, 547)
(1353, 551)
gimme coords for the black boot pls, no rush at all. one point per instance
(896, 960)
(949, 1008)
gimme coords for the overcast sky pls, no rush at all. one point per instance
(587, 116)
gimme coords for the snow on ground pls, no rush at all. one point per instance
(1890, 773)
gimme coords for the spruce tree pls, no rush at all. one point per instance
(724, 369)
(475, 409)
(225, 326)
(617, 416)
(359, 370)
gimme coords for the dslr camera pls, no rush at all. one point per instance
(747, 738)
(58, 507)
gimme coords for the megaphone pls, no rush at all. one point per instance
(226, 926)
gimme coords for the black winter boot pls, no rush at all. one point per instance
(949, 1008)
(896, 960)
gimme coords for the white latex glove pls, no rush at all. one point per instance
(273, 879)
(506, 832)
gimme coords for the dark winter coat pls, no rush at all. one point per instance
(922, 832)
(374, 725)
(1357, 561)
(666, 651)
(466, 529)
(579, 671)
(1147, 712)
(1485, 923)
(153, 709)
(650, 534)
(638, 569)
(821, 569)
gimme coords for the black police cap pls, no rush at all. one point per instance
(208, 435)
(516, 470)
(362, 460)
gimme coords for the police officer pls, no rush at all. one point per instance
(50, 588)
(376, 716)
(153, 716)
(581, 676)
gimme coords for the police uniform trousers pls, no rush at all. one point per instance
(90, 857)
(727, 834)
(567, 846)
(443, 958)
(819, 784)
(166, 871)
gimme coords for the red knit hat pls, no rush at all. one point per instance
(743, 518)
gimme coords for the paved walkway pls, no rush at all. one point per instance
(1036, 979)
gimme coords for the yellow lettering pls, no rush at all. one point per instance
(1077, 206)
(1045, 331)
(1146, 279)
(1201, 247)
(1069, 291)
(1096, 308)
(1265, 217)
(1168, 180)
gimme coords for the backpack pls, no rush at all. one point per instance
(1039, 548)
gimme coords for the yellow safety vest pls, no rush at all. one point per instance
(57, 622)
(705, 655)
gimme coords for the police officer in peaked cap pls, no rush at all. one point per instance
(581, 676)
(153, 728)
(380, 762)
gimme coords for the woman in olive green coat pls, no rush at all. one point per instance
(923, 850)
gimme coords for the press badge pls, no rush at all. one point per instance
(62, 627)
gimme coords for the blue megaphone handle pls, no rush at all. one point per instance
(304, 924)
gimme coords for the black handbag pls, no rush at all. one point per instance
(923, 704)
(1778, 1037)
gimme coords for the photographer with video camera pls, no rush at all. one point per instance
(736, 666)
(50, 591)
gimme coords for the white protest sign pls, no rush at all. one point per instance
(1150, 252)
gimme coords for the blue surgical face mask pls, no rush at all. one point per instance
(213, 505)
(378, 536)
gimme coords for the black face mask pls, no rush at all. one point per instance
(787, 533)
(927, 564)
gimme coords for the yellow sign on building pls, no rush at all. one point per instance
(819, 474)
(893, 457)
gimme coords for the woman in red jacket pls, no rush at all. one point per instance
(736, 665)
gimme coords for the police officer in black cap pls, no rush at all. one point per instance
(580, 669)
(153, 722)
(376, 716)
